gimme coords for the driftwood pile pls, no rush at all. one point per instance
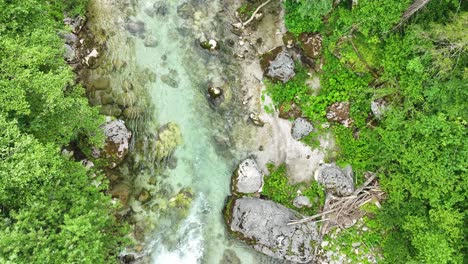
(337, 207)
(339, 211)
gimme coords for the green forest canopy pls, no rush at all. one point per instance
(50, 210)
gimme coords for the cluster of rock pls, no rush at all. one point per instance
(263, 224)
(71, 39)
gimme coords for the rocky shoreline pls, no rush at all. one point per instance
(266, 50)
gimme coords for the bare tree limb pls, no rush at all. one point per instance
(346, 206)
(241, 24)
(411, 10)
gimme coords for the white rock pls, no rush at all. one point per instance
(248, 177)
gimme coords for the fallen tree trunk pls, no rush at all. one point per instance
(411, 10)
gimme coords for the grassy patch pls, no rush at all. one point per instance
(277, 189)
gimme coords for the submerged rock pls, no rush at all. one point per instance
(126, 99)
(160, 9)
(135, 27)
(102, 83)
(169, 137)
(185, 11)
(301, 128)
(150, 41)
(122, 192)
(170, 80)
(282, 67)
(110, 110)
(264, 225)
(144, 196)
(248, 178)
(230, 257)
(337, 181)
(256, 119)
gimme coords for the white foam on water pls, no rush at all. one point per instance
(189, 248)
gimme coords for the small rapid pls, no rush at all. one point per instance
(189, 246)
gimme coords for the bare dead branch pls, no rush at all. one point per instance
(410, 11)
(241, 24)
(338, 207)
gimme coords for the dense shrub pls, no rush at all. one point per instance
(419, 147)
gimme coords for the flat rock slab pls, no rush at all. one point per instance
(263, 224)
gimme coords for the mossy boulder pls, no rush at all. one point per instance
(169, 137)
(117, 142)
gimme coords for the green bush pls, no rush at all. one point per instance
(306, 15)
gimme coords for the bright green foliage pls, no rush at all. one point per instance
(278, 189)
(306, 15)
(420, 147)
(363, 235)
(294, 90)
(51, 209)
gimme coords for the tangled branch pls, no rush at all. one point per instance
(338, 207)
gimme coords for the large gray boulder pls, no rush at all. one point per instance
(282, 67)
(301, 128)
(248, 178)
(264, 225)
(336, 180)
